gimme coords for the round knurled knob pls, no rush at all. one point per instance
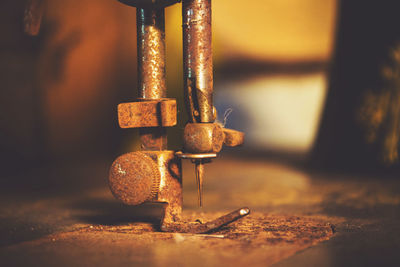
(134, 178)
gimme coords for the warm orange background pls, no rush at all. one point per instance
(86, 62)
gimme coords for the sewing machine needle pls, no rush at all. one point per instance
(199, 168)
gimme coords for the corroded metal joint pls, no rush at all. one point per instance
(209, 138)
(148, 113)
(203, 138)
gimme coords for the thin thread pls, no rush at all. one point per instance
(226, 115)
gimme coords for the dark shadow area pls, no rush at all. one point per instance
(375, 212)
(112, 212)
(375, 244)
(364, 41)
(31, 222)
(56, 179)
(14, 231)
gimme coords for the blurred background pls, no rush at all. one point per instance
(302, 78)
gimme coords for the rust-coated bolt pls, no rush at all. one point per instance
(203, 138)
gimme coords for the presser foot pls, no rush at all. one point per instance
(204, 228)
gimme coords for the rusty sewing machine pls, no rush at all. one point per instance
(154, 173)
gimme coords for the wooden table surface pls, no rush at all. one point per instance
(66, 216)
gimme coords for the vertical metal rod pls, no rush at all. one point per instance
(150, 24)
(197, 58)
(199, 170)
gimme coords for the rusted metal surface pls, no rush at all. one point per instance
(33, 16)
(145, 176)
(233, 138)
(134, 178)
(256, 240)
(150, 113)
(151, 69)
(155, 173)
(201, 135)
(211, 226)
(155, 176)
(203, 138)
(170, 188)
(153, 139)
(151, 53)
(149, 3)
(197, 57)
(209, 138)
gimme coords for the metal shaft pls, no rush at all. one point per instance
(197, 57)
(199, 170)
(151, 69)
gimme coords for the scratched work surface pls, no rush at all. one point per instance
(299, 218)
